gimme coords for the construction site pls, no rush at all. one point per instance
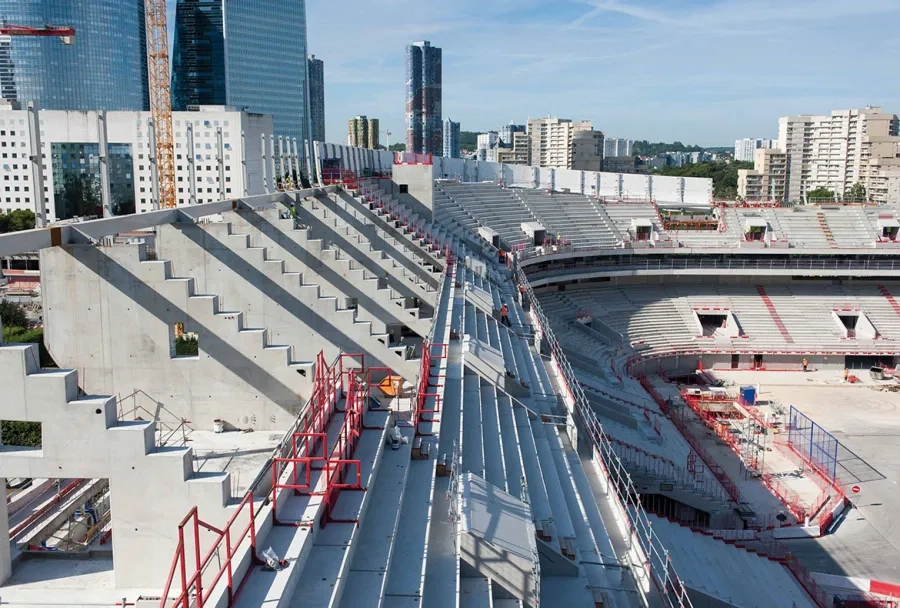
(399, 380)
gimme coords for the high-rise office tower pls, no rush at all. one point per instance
(105, 68)
(259, 66)
(424, 131)
(316, 68)
(451, 139)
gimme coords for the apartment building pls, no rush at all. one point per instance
(767, 181)
(617, 146)
(362, 132)
(745, 149)
(840, 150)
(70, 150)
(552, 139)
(451, 138)
(587, 151)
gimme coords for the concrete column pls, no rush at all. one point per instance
(192, 169)
(281, 166)
(37, 168)
(5, 554)
(262, 144)
(317, 147)
(272, 162)
(104, 164)
(309, 160)
(154, 169)
(295, 165)
(246, 185)
(220, 157)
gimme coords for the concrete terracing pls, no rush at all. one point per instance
(81, 438)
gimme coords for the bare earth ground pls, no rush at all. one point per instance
(866, 422)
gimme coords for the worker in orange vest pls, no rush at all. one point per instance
(846, 374)
(805, 363)
(504, 315)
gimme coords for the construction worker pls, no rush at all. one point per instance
(504, 315)
(523, 298)
(805, 363)
(846, 375)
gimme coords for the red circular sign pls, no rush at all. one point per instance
(855, 489)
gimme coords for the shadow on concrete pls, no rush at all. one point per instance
(268, 287)
(345, 288)
(214, 346)
(429, 276)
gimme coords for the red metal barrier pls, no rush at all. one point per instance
(193, 594)
(47, 507)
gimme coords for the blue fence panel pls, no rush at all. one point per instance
(813, 443)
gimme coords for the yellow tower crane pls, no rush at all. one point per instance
(161, 98)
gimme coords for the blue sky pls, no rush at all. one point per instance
(699, 71)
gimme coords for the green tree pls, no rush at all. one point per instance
(20, 219)
(399, 147)
(645, 148)
(820, 195)
(24, 434)
(186, 346)
(856, 193)
(12, 315)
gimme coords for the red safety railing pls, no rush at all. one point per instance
(427, 401)
(305, 448)
(334, 461)
(193, 593)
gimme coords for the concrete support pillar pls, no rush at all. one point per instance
(154, 169)
(295, 164)
(104, 164)
(192, 169)
(262, 147)
(220, 157)
(5, 553)
(309, 160)
(318, 159)
(281, 165)
(37, 168)
(272, 163)
(246, 185)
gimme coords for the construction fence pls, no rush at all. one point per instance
(813, 443)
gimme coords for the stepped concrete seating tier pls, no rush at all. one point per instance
(661, 320)
(340, 224)
(728, 573)
(318, 557)
(729, 235)
(649, 445)
(81, 438)
(414, 549)
(575, 216)
(802, 228)
(621, 214)
(352, 564)
(289, 300)
(241, 375)
(494, 207)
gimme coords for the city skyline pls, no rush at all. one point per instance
(651, 60)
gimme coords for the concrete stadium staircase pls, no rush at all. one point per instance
(82, 438)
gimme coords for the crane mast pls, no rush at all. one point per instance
(161, 98)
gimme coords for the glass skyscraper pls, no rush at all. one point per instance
(260, 66)
(424, 130)
(105, 68)
(317, 98)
